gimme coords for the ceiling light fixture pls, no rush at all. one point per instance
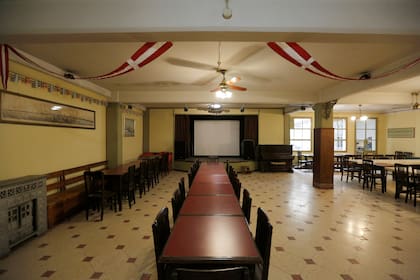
(223, 93)
(361, 117)
(227, 12)
(215, 106)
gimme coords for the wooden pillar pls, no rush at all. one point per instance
(323, 161)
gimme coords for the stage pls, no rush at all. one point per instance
(239, 164)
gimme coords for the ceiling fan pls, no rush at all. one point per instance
(416, 104)
(222, 90)
(236, 59)
(413, 106)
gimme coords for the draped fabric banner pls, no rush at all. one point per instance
(297, 55)
(143, 56)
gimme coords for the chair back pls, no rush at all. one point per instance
(181, 186)
(246, 205)
(236, 184)
(415, 175)
(130, 178)
(263, 236)
(233, 273)
(94, 181)
(176, 203)
(401, 175)
(161, 231)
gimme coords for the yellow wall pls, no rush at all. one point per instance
(403, 120)
(162, 130)
(271, 126)
(351, 137)
(132, 147)
(34, 149)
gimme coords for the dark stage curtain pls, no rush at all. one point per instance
(182, 137)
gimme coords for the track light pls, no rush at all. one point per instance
(185, 109)
(242, 109)
(227, 12)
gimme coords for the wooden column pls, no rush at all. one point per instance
(323, 162)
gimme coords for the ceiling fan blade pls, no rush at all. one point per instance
(244, 54)
(236, 87)
(215, 89)
(190, 64)
(205, 80)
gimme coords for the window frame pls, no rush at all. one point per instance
(365, 140)
(345, 133)
(310, 129)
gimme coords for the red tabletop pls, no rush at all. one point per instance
(212, 240)
(210, 188)
(213, 178)
(211, 205)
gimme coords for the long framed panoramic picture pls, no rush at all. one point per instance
(21, 109)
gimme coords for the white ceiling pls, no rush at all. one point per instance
(173, 80)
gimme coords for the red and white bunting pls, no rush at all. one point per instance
(144, 55)
(297, 55)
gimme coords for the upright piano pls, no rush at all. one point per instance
(275, 158)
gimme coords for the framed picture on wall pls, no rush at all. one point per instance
(21, 109)
(129, 127)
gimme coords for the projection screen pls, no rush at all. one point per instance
(216, 138)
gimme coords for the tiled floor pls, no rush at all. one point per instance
(344, 233)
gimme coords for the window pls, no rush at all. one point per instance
(366, 136)
(301, 134)
(340, 135)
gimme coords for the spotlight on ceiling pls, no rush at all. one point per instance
(185, 109)
(227, 12)
(242, 109)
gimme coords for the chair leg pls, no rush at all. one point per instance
(102, 210)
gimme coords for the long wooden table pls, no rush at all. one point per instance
(211, 230)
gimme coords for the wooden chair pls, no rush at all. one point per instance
(96, 194)
(350, 169)
(246, 205)
(371, 174)
(234, 273)
(161, 231)
(415, 183)
(402, 180)
(128, 188)
(236, 184)
(190, 179)
(181, 186)
(176, 203)
(263, 236)
(141, 182)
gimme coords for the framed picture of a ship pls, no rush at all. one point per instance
(22, 109)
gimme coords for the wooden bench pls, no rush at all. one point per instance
(65, 191)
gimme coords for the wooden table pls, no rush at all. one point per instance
(211, 230)
(211, 205)
(116, 176)
(387, 164)
(210, 188)
(210, 240)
